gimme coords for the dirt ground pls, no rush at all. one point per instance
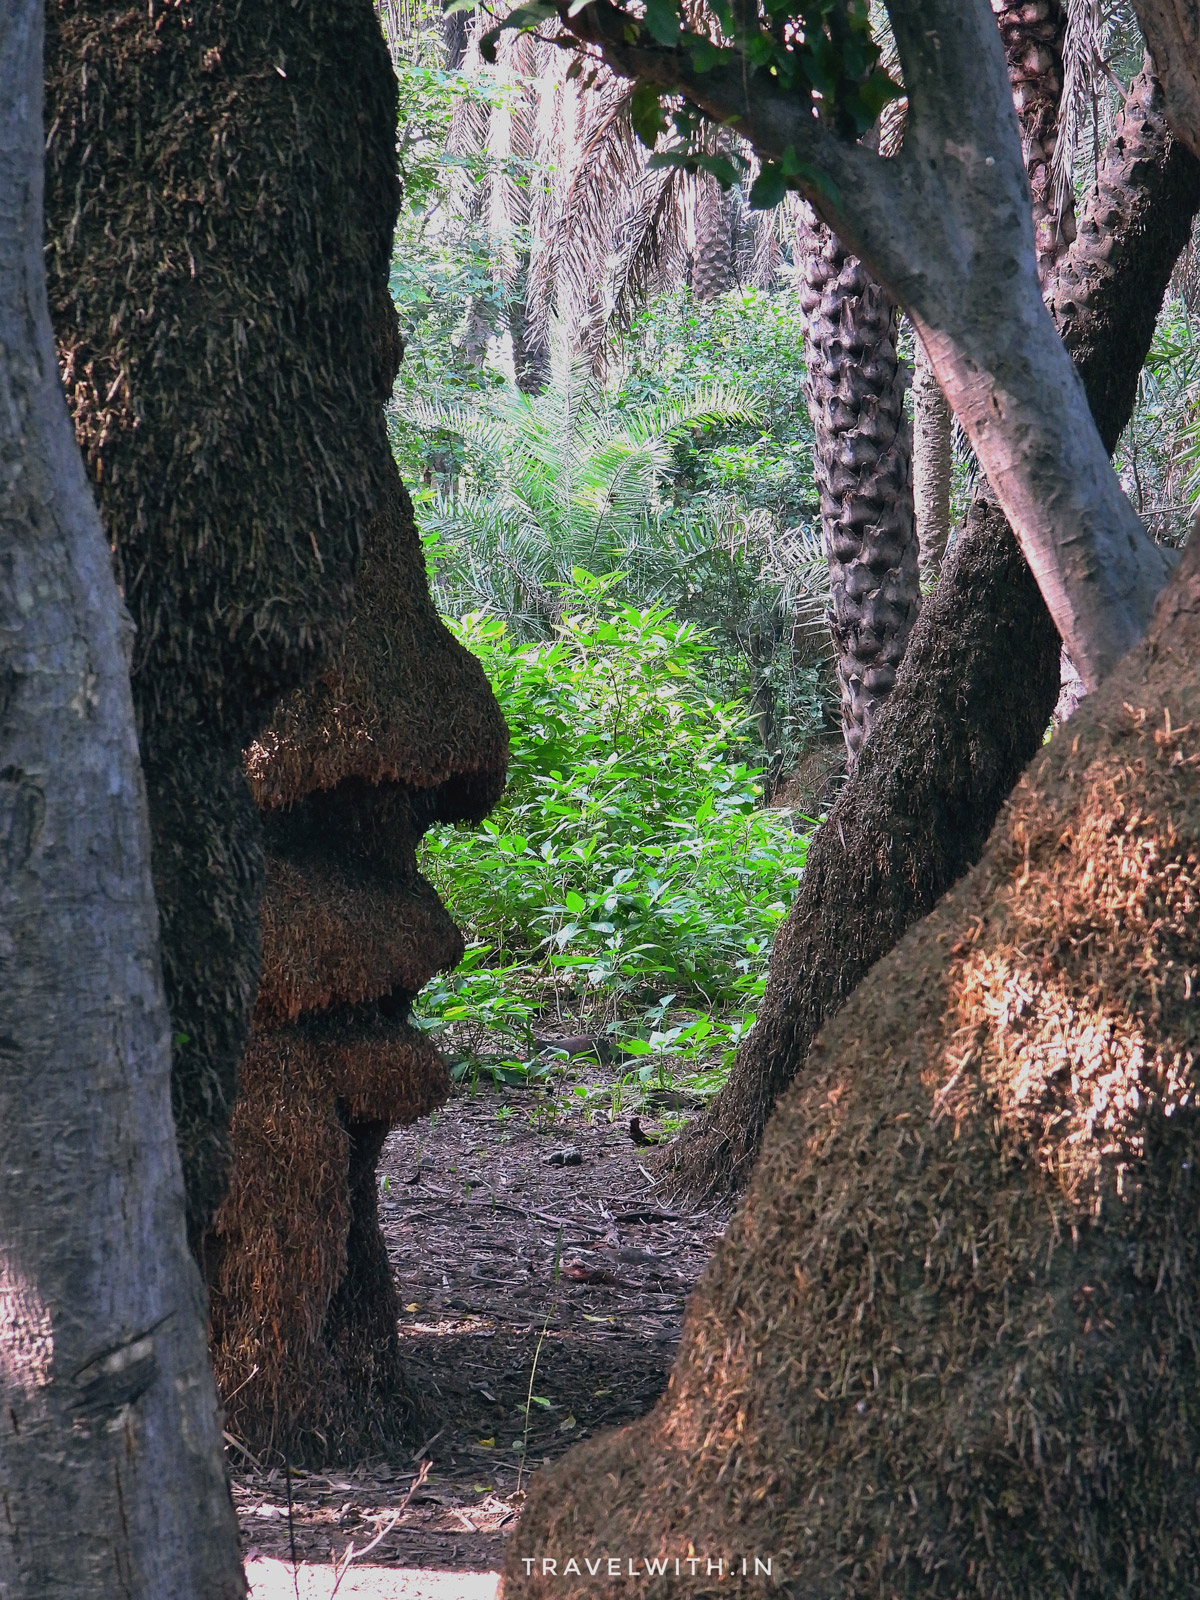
(536, 1264)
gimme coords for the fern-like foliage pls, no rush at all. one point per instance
(566, 479)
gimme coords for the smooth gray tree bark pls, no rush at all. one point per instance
(945, 226)
(111, 1476)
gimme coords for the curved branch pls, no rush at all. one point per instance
(946, 228)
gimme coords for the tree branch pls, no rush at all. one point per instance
(1172, 30)
(946, 228)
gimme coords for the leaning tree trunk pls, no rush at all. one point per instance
(862, 461)
(947, 1346)
(1172, 30)
(971, 695)
(1034, 36)
(111, 1475)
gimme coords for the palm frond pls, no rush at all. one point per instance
(709, 404)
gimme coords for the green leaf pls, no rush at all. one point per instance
(646, 115)
(704, 53)
(574, 902)
(662, 21)
(768, 188)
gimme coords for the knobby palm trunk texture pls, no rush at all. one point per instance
(713, 263)
(862, 462)
(111, 1476)
(974, 694)
(1172, 30)
(1034, 32)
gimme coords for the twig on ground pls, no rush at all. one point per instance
(287, 1468)
(533, 1371)
(236, 1444)
(420, 1451)
(343, 1566)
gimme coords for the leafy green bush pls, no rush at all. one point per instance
(629, 882)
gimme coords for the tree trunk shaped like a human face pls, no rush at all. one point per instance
(111, 1472)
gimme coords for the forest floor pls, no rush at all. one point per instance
(538, 1268)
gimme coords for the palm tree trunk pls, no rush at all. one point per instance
(863, 468)
(233, 327)
(1034, 36)
(713, 262)
(111, 1475)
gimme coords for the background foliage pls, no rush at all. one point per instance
(630, 881)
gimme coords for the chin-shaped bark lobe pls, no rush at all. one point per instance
(400, 732)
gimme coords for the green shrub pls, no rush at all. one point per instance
(630, 879)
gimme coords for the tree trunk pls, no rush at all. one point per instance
(945, 227)
(110, 1458)
(713, 258)
(862, 462)
(947, 1345)
(1034, 36)
(1136, 221)
(219, 242)
(1172, 30)
(933, 467)
(916, 812)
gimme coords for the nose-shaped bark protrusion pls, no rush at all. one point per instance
(401, 732)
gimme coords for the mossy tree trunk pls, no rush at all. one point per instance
(947, 1345)
(221, 194)
(111, 1474)
(978, 683)
(862, 462)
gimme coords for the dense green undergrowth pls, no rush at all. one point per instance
(629, 883)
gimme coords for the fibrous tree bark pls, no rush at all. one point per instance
(947, 1345)
(219, 238)
(111, 1475)
(945, 227)
(915, 814)
(862, 462)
